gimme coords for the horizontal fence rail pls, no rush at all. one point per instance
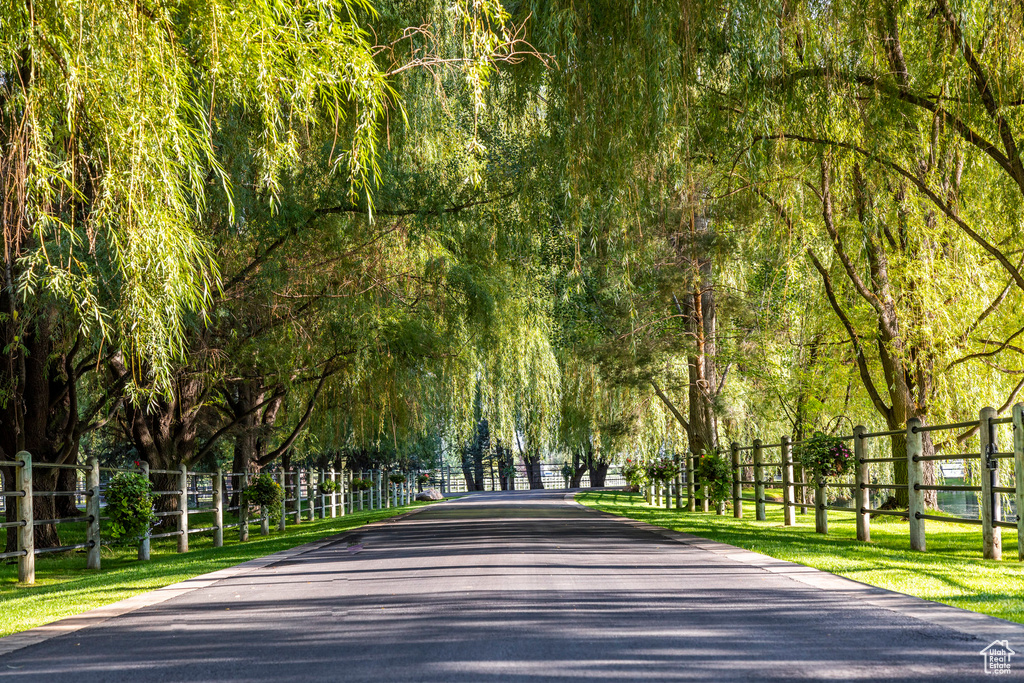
(309, 494)
(772, 468)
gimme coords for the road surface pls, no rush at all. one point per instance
(526, 586)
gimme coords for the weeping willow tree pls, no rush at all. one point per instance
(881, 139)
(108, 114)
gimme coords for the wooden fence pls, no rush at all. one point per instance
(195, 493)
(779, 474)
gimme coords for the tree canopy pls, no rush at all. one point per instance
(260, 231)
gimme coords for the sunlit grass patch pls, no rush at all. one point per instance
(64, 587)
(952, 571)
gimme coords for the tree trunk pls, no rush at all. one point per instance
(579, 468)
(533, 470)
(598, 473)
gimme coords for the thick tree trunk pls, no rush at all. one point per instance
(467, 470)
(580, 466)
(478, 470)
(533, 470)
(598, 473)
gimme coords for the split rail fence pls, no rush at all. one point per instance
(778, 474)
(196, 493)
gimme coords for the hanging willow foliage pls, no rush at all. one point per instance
(107, 112)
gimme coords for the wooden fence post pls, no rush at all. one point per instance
(802, 488)
(679, 480)
(323, 495)
(737, 487)
(342, 482)
(297, 495)
(862, 495)
(26, 532)
(788, 503)
(691, 501)
(144, 542)
(915, 477)
(1018, 473)
(820, 503)
(183, 508)
(243, 507)
(218, 508)
(311, 495)
(282, 479)
(333, 477)
(991, 503)
(759, 512)
(92, 511)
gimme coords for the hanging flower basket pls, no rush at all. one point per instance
(634, 474)
(396, 477)
(362, 484)
(825, 457)
(713, 472)
(662, 470)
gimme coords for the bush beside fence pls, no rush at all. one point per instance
(780, 475)
(192, 489)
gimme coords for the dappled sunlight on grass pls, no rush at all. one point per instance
(64, 587)
(951, 572)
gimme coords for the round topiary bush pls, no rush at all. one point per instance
(129, 506)
(265, 493)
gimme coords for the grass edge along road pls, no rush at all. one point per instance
(65, 588)
(951, 572)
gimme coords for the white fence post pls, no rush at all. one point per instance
(26, 532)
(915, 478)
(144, 542)
(183, 507)
(282, 479)
(788, 502)
(862, 495)
(92, 510)
(691, 499)
(218, 508)
(737, 487)
(333, 476)
(820, 504)
(991, 508)
(759, 512)
(1018, 473)
(243, 507)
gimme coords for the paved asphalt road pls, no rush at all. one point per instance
(509, 587)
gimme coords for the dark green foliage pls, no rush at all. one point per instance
(396, 477)
(361, 484)
(663, 469)
(129, 506)
(265, 493)
(330, 486)
(715, 474)
(825, 456)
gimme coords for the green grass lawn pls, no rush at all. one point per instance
(64, 587)
(951, 572)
